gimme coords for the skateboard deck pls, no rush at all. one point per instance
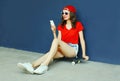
(78, 60)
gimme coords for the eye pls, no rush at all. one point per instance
(64, 13)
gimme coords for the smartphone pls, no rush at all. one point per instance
(52, 23)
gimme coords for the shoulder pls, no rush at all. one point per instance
(79, 26)
(59, 27)
(78, 23)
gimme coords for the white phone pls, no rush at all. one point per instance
(52, 23)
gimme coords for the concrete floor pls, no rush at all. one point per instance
(58, 71)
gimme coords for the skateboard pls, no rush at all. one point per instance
(78, 60)
(74, 61)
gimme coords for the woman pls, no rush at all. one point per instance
(65, 45)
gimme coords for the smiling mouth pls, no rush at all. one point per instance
(64, 17)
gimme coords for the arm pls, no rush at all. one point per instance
(59, 35)
(54, 34)
(82, 41)
(53, 28)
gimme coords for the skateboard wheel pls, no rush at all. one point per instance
(78, 61)
(73, 63)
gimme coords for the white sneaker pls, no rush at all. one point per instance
(41, 69)
(26, 67)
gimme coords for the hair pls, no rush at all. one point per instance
(72, 18)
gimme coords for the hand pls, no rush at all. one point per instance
(85, 57)
(53, 28)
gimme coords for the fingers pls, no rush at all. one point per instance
(53, 28)
(86, 58)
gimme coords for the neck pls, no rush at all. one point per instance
(68, 22)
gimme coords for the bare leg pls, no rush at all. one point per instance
(43, 58)
(52, 52)
(37, 62)
(48, 56)
(65, 49)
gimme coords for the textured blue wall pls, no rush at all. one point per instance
(24, 24)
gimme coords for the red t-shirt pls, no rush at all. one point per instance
(71, 35)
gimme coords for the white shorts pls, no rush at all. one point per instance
(75, 46)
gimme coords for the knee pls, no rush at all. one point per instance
(56, 40)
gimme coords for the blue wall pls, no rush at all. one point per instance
(24, 24)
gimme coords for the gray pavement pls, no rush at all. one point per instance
(58, 70)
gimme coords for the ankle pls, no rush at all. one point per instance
(34, 65)
(43, 64)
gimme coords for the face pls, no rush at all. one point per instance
(66, 14)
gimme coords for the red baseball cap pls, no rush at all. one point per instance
(70, 8)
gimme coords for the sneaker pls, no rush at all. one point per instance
(26, 67)
(41, 69)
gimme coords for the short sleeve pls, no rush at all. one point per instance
(79, 26)
(59, 27)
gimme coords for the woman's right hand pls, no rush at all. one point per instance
(53, 28)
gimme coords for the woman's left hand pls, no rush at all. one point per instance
(85, 57)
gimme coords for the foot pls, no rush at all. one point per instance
(86, 58)
(41, 69)
(26, 67)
